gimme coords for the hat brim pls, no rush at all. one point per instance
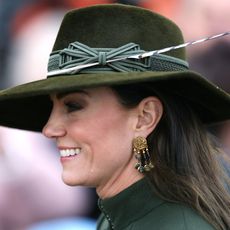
(28, 106)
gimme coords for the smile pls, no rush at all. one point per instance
(69, 152)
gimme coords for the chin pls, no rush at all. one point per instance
(70, 181)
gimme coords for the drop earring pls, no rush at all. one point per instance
(141, 152)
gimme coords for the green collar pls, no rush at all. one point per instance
(130, 204)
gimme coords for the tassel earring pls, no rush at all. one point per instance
(141, 152)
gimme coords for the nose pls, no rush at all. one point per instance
(54, 128)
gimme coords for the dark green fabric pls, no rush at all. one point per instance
(114, 25)
(28, 106)
(110, 26)
(138, 208)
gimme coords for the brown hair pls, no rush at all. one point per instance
(186, 160)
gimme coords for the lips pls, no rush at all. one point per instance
(69, 152)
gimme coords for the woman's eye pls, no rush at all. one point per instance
(72, 106)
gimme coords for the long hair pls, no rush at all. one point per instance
(186, 160)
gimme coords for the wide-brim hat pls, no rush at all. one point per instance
(101, 33)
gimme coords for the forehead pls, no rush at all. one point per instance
(100, 92)
(64, 94)
(60, 95)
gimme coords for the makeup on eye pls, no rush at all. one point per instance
(74, 101)
(72, 106)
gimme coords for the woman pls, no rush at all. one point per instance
(132, 128)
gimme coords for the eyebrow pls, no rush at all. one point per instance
(63, 94)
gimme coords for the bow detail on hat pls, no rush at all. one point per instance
(80, 54)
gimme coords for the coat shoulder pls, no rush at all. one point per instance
(170, 216)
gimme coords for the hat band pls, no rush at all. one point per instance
(94, 60)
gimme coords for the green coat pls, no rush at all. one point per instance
(137, 208)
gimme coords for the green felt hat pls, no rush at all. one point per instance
(102, 33)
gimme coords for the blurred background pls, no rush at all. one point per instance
(32, 195)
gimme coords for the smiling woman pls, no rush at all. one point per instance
(104, 128)
(135, 129)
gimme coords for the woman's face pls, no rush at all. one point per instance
(94, 134)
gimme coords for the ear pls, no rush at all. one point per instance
(149, 112)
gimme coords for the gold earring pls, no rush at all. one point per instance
(141, 152)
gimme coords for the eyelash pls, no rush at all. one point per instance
(72, 106)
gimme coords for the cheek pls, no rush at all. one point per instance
(112, 126)
(116, 141)
(104, 133)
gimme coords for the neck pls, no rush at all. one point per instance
(118, 183)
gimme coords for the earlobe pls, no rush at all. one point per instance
(150, 111)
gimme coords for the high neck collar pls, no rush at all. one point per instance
(130, 204)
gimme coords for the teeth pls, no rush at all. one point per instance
(69, 152)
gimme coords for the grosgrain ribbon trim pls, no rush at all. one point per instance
(79, 54)
(94, 60)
